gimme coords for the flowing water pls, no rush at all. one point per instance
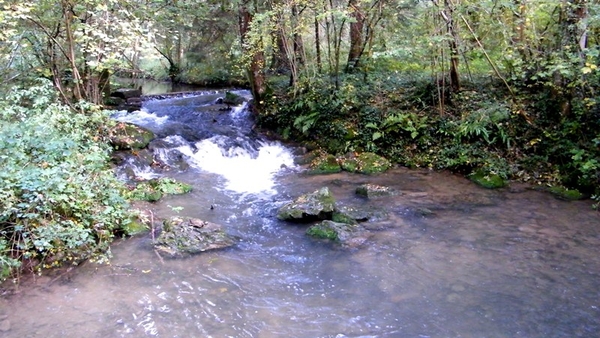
(445, 259)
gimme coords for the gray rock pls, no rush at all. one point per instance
(372, 190)
(309, 207)
(190, 235)
(364, 214)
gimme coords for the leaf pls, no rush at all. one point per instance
(377, 135)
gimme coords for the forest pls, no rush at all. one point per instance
(506, 90)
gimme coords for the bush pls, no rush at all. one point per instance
(59, 200)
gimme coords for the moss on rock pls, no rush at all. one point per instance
(487, 180)
(317, 205)
(324, 164)
(565, 194)
(154, 189)
(135, 227)
(322, 231)
(365, 163)
(125, 136)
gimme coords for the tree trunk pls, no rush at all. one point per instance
(318, 46)
(76, 78)
(298, 48)
(519, 27)
(454, 53)
(255, 72)
(356, 35)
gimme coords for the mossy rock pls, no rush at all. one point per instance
(322, 232)
(487, 180)
(340, 217)
(566, 194)
(324, 164)
(349, 235)
(306, 158)
(233, 99)
(170, 186)
(366, 163)
(134, 227)
(154, 189)
(309, 207)
(125, 136)
(181, 236)
(144, 191)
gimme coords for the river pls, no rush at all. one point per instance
(445, 259)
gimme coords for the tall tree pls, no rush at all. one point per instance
(253, 48)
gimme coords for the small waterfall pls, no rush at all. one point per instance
(246, 163)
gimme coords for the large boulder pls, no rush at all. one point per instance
(125, 136)
(309, 207)
(183, 236)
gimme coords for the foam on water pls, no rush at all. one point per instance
(140, 117)
(245, 171)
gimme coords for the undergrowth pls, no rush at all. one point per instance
(479, 128)
(59, 200)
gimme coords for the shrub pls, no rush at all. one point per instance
(59, 200)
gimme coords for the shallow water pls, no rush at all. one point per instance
(449, 260)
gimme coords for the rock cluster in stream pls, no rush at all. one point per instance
(181, 236)
(338, 224)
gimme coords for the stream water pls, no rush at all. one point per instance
(445, 259)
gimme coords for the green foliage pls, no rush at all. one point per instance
(154, 189)
(59, 201)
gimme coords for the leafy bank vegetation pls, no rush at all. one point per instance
(497, 88)
(59, 201)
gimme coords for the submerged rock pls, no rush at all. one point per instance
(373, 190)
(189, 236)
(351, 235)
(125, 136)
(309, 207)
